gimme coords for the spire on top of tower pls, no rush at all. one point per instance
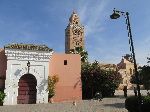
(74, 12)
(74, 17)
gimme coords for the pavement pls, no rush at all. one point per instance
(130, 92)
(115, 104)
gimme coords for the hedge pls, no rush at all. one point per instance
(131, 104)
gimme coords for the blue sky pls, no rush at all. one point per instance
(44, 22)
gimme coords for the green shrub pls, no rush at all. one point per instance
(2, 96)
(146, 104)
(52, 80)
(131, 104)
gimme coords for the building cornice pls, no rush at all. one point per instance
(28, 47)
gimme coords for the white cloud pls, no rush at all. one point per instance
(92, 16)
(142, 50)
(146, 40)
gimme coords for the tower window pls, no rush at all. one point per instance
(133, 71)
(65, 62)
(77, 43)
(130, 71)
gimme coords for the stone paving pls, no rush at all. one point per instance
(115, 104)
(130, 92)
(106, 105)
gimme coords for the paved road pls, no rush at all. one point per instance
(106, 105)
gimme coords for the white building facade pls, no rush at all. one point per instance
(27, 84)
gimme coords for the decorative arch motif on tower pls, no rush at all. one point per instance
(74, 35)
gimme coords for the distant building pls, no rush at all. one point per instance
(74, 33)
(105, 66)
(126, 69)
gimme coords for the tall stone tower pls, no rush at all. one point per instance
(74, 33)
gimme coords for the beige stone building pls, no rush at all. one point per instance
(126, 68)
(74, 33)
(106, 66)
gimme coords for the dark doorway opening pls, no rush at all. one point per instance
(27, 89)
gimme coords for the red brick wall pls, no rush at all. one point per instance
(69, 85)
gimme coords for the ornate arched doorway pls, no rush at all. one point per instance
(27, 89)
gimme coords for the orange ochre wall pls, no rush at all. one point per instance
(69, 87)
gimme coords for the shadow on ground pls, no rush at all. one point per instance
(116, 105)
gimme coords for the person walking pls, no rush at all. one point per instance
(98, 96)
(135, 91)
(125, 91)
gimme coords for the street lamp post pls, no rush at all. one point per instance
(115, 15)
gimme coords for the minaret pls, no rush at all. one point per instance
(74, 33)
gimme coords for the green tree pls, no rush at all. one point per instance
(148, 60)
(144, 77)
(2, 96)
(133, 79)
(82, 52)
(128, 57)
(86, 83)
(52, 80)
(95, 79)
